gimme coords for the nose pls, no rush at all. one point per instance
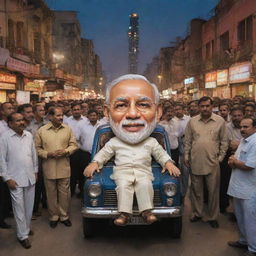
(132, 112)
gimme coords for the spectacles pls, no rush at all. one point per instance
(141, 106)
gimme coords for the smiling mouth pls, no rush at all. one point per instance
(133, 127)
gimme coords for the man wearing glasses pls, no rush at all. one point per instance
(132, 106)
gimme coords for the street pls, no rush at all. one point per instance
(197, 239)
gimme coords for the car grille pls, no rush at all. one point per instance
(110, 198)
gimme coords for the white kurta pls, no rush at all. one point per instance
(132, 172)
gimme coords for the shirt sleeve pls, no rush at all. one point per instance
(3, 158)
(160, 154)
(34, 157)
(72, 145)
(39, 145)
(187, 141)
(224, 142)
(250, 158)
(104, 154)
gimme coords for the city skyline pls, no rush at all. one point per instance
(106, 23)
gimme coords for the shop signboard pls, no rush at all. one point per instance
(32, 86)
(22, 66)
(240, 73)
(211, 80)
(7, 78)
(222, 77)
(189, 80)
(23, 97)
(7, 86)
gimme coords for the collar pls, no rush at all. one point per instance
(252, 137)
(212, 117)
(13, 133)
(51, 126)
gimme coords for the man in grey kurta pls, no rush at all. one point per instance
(205, 147)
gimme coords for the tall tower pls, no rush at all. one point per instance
(133, 40)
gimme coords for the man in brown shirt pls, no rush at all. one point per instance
(205, 147)
(55, 142)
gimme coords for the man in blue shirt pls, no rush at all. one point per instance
(242, 186)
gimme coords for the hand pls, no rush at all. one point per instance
(234, 145)
(231, 161)
(59, 153)
(173, 170)
(12, 184)
(90, 169)
(51, 154)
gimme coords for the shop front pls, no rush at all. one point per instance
(7, 86)
(210, 83)
(223, 89)
(240, 80)
(34, 87)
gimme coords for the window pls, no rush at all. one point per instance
(20, 33)
(224, 42)
(244, 30)
(11, 40)
(208, 50)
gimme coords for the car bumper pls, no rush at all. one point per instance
(108, 213)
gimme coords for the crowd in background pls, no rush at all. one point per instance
(61, 134)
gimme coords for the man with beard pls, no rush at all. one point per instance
(132, 106)
(19, 169)
(205, 147)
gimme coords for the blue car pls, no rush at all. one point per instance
(100, 200)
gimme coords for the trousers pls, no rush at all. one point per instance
(212, 182)
(245, 211)
(58, 198)
(22, 204)
(143, 189)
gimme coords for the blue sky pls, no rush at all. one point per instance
(106, 22)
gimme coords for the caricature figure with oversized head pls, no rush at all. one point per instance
(132, 106)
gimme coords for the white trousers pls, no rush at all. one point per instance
(22, 204)
(143, 189)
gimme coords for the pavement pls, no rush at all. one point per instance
(198, 239)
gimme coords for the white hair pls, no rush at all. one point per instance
(131, 77)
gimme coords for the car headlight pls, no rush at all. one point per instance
(94, 190)
(170, 189)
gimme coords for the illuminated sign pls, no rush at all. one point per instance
(211, 80)
(240, 73)
(189, 80)
(222, 77)
(7, 78)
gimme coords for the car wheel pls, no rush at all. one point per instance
(175, 227)
(88, 227)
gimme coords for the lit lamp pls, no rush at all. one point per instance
(159, 78)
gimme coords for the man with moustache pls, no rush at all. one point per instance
(55, 142)
(234, 137)
(27, 111)
(132, 106)
(205, 147)
(242, 186)
(18, 167)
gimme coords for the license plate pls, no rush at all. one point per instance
(136, 220)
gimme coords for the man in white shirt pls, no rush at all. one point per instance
(86, 132)
(132, 105)
(181, 117)
(173, 130)
(18, 164)
(76, 159)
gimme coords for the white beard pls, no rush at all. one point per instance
(132, 137)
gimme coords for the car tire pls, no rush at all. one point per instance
(88, 227)
(175, 227)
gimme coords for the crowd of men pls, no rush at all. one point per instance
(45, 147)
